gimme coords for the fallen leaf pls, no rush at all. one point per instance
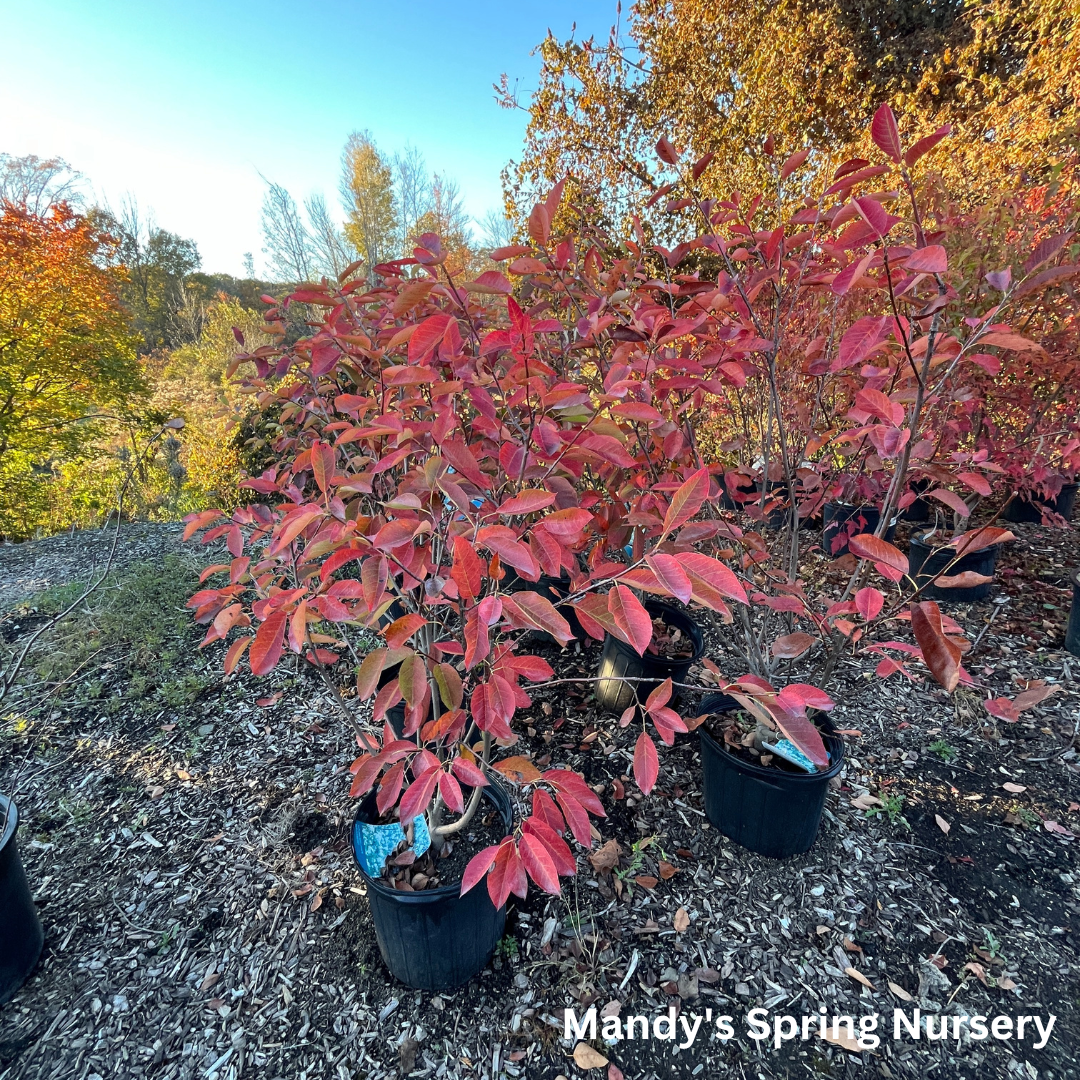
(900, 992)
(612, 1008)
(682, 920)
(211, 978)
(822, 930)
(977, 970)
(182, 774)
(851, 946)
(585, 1057)
(667, 871)
(859, 977)
(646, 882)
(707, 975)
(614, 1072)
(607, 858)
(1006, 983)
(155, 792)
(841, 1038)
(850, 732)
(866, 801)
(942, 824)
(1054, 827)
(1014, 788)
(1073, 807)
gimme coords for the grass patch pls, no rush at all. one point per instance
(125, 642)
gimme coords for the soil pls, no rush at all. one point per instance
(735, 733)
(447, 868)
(204, 918)
(669, 642)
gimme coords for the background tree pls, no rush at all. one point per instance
(288, 245)
(67, 356)
(722, 76)
(36, 184)
(367, 192)
(153, 266)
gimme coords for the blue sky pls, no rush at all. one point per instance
(184, 104)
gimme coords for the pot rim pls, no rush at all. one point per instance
(1074, 577)
(443, 892)
(10, 818)
(822, 776)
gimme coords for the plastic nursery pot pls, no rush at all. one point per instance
(842, 521)
(1028, 509)
(21, 936)
(926, 563)
(919, 510)
(434, 939)
(768, 810)
(619, 662)
(1072, 632)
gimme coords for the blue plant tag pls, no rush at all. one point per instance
(786, 749)
(373, 843)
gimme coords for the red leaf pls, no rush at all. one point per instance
(538, 862)
(980, 539)
(868, 546)
(631, 619)
(670, 575)
(468, 772)
(860, 340)
(928, 260)
(235, 651)
(267, 647)
(556, 846)
(869, 603)
(884, 132)
(427, 336)
(686, 502)
(976, 481)
(646, 763)
(322, 464)
(791, 645)
(467, 569)
(400, 630)
(951, 500)
(478, 866)
(660, 696)
(926, 144)
(666, 152)
(802, 732)
(527, 502)
(714, 573)
(1046, 249)
(450, 790)
(794, 162)
(507, 875)
(418, 794)
(941, 654)
(530, 610)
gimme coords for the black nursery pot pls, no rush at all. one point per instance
(838, 515)
(1028, 510)
(435, 939)
(1072, 633)
(21, 936)
(926, 563)
(767, 810)
(618, 661)
(919, 510)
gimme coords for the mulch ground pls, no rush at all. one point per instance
(204, 918)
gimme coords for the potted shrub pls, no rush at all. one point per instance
(430, 438)
(1052, 500)
(858, 361)
(21, 936)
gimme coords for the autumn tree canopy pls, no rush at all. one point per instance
(67, 354)
(720, 76)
